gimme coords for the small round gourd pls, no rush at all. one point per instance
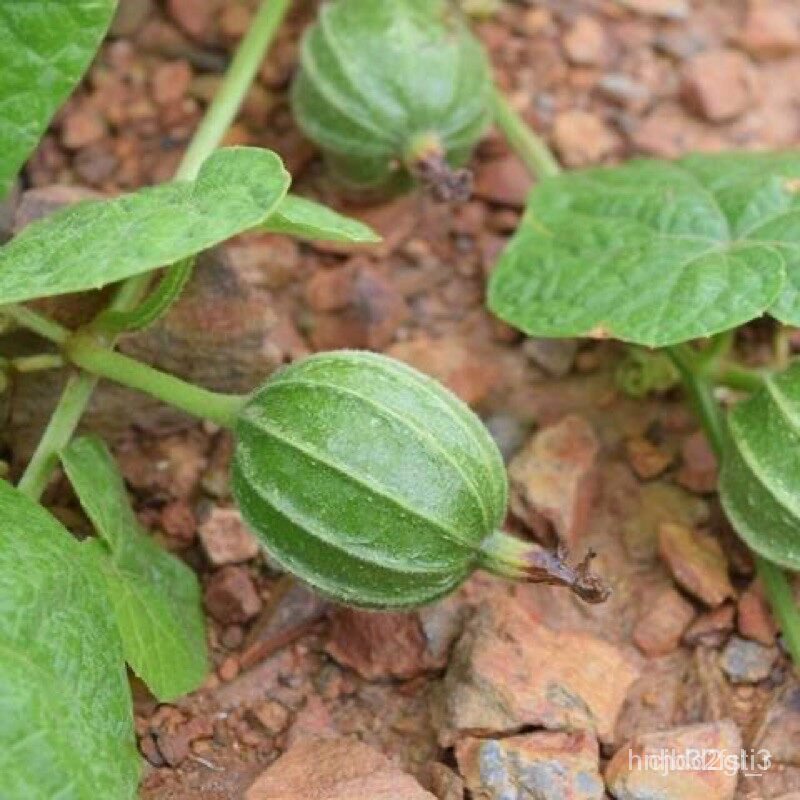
(392, 87)
(375, 485)
(367, 480)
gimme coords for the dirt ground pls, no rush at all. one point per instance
(500, 692)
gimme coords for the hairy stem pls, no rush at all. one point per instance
(536, 155)
(91, 357)
(747, 380)
(773, 578)
(37, 363)
(700, 393)
(216, 121)
(57, 434)
(34, 321)
(218, 117)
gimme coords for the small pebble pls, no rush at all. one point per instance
(744, 661)
(228, 669)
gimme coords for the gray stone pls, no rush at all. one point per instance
(543, 765)
(745, 661)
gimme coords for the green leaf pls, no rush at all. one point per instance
(66, 723)
(760, 477)
(45, 47)
(656, 253)
(155, 596)
(95, 243)
(298, 216)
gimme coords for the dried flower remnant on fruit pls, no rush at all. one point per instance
(427, 162)
(519, 560)
(390, 91)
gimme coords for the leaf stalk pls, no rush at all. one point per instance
(700, 392)
(717, 350)
(222, 409)
(536, 155)
(59, 430)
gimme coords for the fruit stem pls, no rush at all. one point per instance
(775, 582)
(513, 558)
(536, 155)
(217, 119)
(223, 409)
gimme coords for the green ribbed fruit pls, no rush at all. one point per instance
(368, 480)
(387, 88)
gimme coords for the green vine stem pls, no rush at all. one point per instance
(537, 156)
(209, 134)
(36, 363)
(59, 430)
(746, 380)
(699, 389)
(83, 351)
(34, 321)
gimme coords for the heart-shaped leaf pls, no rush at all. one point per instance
(91, 244)
(155, 596)
(654, 252)
(45, 47)
(760, 477)
(66, 723)
(298, 216)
